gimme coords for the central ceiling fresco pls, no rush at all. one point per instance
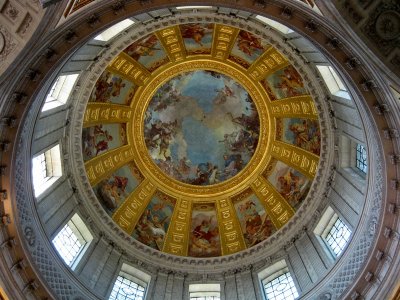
(201, 127)
(200, 140)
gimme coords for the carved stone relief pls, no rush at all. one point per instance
(387, 25)
(25, 25)
(18, 20)
(383, 27)
(7, 43)
(2, 42)
(10, 11)
(377, 23)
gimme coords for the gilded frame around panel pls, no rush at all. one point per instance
(260, 158)
(250, 180)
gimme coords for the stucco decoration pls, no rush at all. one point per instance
(383, 26)
(2, 42)
(7, 44)
(388, 25)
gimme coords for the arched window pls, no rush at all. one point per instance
(353, 158)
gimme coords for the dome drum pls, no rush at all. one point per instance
(147, 202)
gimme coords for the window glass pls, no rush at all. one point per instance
(205, 298)
(278, 26)
(130, 284)
(60, 91)
(281, 287)
(72, 239)
(68, 245)
(194, 7)
(46, 169)
(338, 237)
(111, 32)
(125, 289)
(361, 158)
(205, 291)
(277, 282)
(333, 82)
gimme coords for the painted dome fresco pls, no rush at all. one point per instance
(201, 140)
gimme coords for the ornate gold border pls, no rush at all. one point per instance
(150, 170)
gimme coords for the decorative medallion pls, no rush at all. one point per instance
(388, 25)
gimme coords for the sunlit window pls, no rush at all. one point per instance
(276, 25)
(124, 289)
(332, 232)
(60, 91)
(193, 7)
(205, 298)
(130, 284)
(205, 291)
(333, 82)
(46, 169)
(361, 158)
(72, 240)
(311, 4)
(281, 287)
(114, 30)
(277, 282)
(338, 237)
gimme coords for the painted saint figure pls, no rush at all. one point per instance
(152, 226)
(255, 223)
(198, 109)
(95, 141)
(112, 191)
(203, 237)
(248, 43)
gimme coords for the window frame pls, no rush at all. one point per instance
(204, 291)
(82, 234)
(279, 27)
(333, 82)
(353, 160)
(335, 219)
(277, 276)
(274, 271)
(132, 274)
(114, 30)
(54, 169)
(360, 150)
(60, 92)
(324, 228)
(347, 157)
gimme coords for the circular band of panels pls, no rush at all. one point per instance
(136, 142)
